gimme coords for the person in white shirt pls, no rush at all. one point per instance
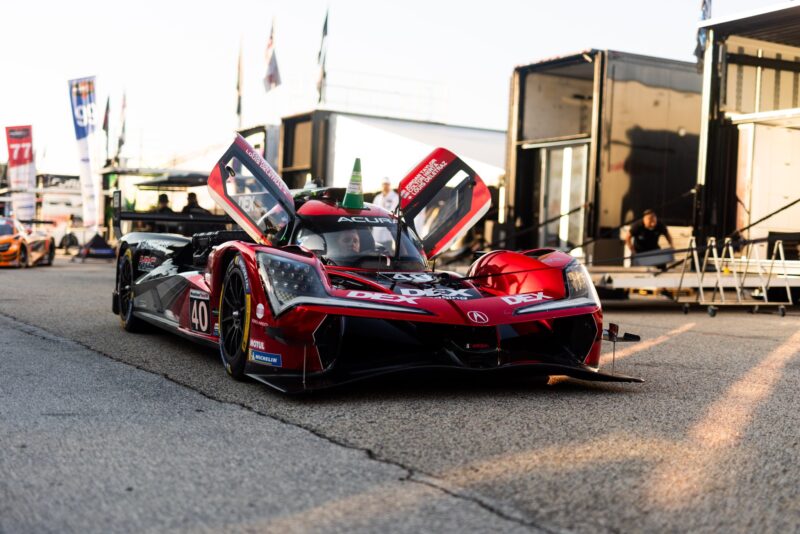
(388, 199)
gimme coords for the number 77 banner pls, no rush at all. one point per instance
(82, 96)
(21, 171)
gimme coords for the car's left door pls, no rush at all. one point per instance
(251, 193)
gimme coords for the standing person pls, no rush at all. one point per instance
(163, 208)
(643, 235)
(388, 199)
(192, 207)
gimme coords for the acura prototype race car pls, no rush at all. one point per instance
(315, 288)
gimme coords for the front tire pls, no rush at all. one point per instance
(234, 319)
(125, 279)
(51, 254)
(23, 257)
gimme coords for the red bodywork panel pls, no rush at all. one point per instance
(316, 208)
(510, 273)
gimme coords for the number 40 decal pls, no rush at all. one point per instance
(199, 315)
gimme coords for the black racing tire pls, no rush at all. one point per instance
(125, 278)
(234, 319)
(51, 254)
(24, 259)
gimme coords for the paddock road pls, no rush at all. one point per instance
(102, 430)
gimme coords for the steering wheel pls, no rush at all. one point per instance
(267, 223)
(379, 251)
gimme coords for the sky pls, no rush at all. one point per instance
(442, 60)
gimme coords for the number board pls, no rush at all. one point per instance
(199, 318)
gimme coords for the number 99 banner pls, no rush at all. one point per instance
(82, 96)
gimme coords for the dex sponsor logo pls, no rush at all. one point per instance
(441, 293)
(381, 297)
(525, 298)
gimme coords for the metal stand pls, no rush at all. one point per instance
(731, 273)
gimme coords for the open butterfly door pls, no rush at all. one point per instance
(251, 193)
(441, 199)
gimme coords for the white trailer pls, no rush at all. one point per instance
(323, 144)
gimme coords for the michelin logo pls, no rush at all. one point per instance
(267, 358)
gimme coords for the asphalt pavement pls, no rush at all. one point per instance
(708, 443)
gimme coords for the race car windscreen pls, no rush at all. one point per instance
(253, 198)
(6, 228)
(363, 242)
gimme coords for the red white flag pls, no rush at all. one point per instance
(272, 78)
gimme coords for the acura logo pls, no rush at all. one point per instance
(478, 317)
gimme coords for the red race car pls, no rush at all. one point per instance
(22, 247)
(316, 288)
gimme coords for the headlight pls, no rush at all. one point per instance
(579, 283)
(287, 281)
(580, 292)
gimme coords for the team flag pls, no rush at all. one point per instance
(239, 87)
(321, 58)
(121, 140)
(272, 78)
(106, 122)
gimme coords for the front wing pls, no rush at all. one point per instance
(354, 348)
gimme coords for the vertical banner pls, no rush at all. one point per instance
(83, 116)
(21, 171)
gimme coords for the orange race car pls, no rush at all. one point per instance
(22, 247)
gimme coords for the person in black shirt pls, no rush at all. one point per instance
(192, 207)
(163, 207)
(644, 234)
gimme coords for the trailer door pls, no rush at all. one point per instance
(564, 176)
